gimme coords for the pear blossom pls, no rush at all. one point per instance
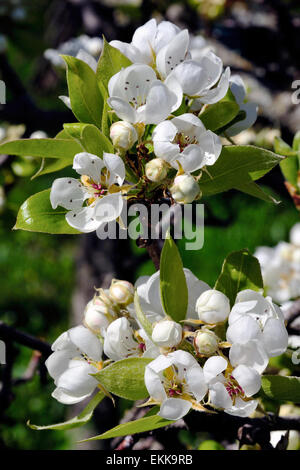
(76, 354)
(98, 315)
(237, 86)
(147, 41)
(204, 79)
(123, 135)
(148, 289)
(176, 382)
(83, 47)
(96, 198)
(156, 170)
(185, 140)
(184, 189)
(121, 292)
(120, 341)
(254, 317)
(206, 342)
(231, 389)
(213, 306)
(167, 333)
(137, 96)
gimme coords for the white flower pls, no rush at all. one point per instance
(121, 292)
(185, 189)
(175, 381)
(97, 315)
(231, 391)
(184, 139)
(237, 86)
(156, 170)
(94, 200)
(137, 96)
(206, 342)
(77, 354)
(199, 47)
(123, 135)
(213, 306)
(83, 47)
(254, 317)
(202, 79)
(167, 334)
(148, 289)
(147, 41)
(120, 342)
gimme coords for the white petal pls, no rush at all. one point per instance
(66, 100)
(214, 66)
(192, 77)
(213, 367)
(237, 86)
(182, 358)
(191, 159)
(161, 363)
(109, 207)
(249, 379)
(58, 362)
(88, 59)
(173, 53)
(251, 116)
(195, 381)
(153, 384)
(174, 408)
(251, 354)
(165, 32)
(77, 381)
(86, 341)
(116, 168)
(211, 146)
(275, 337)
(143, 39)
(243, 330)
(68, 193)
(163, 136)
(129, 50)
(88, 164)
(242, 408)
(83, 219)
(195, 289)
(159, 104)
(122, 109)
(66, 398)
(219, 396)
(176, 92)
(216, 94)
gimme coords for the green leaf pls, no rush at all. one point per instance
(282, 148)
(280, 388)
(44, 148)
(144, 322)
(86, 98)
(134, 427)
(240, 271)
(217, 115)
(296, 142)
(210, 445)
(90, 138)
(289, 166)
(36, 215)
(173, 287)
(111, 62)
(237, 166)
(75, 422)
(254, 190)
(125, 378)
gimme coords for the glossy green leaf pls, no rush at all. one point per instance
(240, 271)
(210, 445)
(36, 215)
(90, 138)
(296, 142)
(86, 98)
(173, 287)
(143, 320)
(281, 388)
(254, 190)
(236, 166)
(125, 378)
(44, 148)
(289, 166)
(75, 422)
(111, 62)
(218, 115)
(134, 427)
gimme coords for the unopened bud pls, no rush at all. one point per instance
(96, 315)
(123, 135)
(121, 292)
(156, 170)
(185, 189)
(167, 334)
(206, 342)
(213, 306)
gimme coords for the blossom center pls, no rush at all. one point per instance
(233, 389)
(184, 140)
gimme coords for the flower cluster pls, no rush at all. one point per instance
(157, 135)
(212, 360)
(280, 267)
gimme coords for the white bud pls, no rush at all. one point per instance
(185, 189)
(295, 235)
(38, 135)
(123, 135)
(96, 315)
(167, 333)
(121, 292)
(156, 170)
(206, 342)
(213, 306)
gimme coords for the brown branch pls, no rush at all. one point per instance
(8, 333)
